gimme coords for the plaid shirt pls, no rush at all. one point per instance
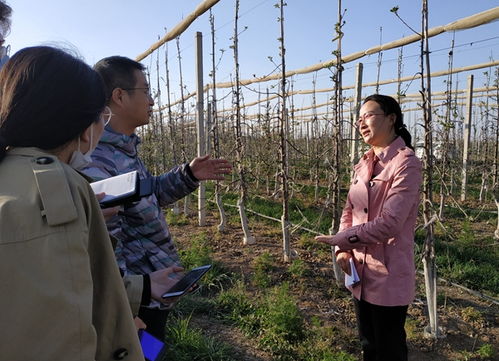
(144, 240)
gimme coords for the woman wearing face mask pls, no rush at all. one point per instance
(376, 235)
(63, 294)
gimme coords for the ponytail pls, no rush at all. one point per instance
(405, 135)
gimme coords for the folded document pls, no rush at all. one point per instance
(353, 278)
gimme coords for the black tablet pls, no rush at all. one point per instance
(186, 282)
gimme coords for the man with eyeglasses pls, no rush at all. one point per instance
(144, 241)
(5, 14)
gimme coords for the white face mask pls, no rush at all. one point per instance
(79, 160)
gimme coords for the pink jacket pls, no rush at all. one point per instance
(377, 225)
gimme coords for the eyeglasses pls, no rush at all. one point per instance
(365, 117)
(146, 90)
(106, 115)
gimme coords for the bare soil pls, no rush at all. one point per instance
(464, 330)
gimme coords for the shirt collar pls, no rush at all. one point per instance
(388, 152)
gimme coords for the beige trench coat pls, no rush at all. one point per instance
(62, 297)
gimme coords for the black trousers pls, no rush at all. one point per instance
(155, 320)
(381, 331)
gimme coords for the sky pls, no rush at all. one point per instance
(97, 29)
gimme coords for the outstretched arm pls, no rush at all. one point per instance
(205, 168)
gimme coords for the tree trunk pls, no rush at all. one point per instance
(283, 150)
(335, 166)
(215, 130)
(248, 237)
(496, 158)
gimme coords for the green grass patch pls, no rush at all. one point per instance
(301, 212)
(281, 323)
(199, 253)
(486, 352)
(470, 259)
(195, 304)
(176, 219)
(263, 266)
(235, 305)
(190, 344)
(412, 329)
(298, 269)
(319, 344)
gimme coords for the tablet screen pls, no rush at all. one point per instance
(151, 346)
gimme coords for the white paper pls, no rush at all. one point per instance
(353, 278)
(116, 187)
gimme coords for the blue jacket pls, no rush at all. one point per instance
(144, 240)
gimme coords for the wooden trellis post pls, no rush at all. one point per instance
(354, 142)
(430, 269)
(466, 137)
(201, 139)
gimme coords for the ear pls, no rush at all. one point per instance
(85, 137)
(117, 97)
(392, 118)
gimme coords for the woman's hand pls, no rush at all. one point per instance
(343, 260)
(326, 239)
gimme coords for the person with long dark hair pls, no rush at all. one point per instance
(376, 235)
(63, 295)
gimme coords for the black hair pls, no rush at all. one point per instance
(117, 72)
(5, 14)
(390, 106)
(47, 98)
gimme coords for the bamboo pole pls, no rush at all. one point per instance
(179, 28)
(482, 18)
(364, 85)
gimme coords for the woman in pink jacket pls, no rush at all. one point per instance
(376, 234)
